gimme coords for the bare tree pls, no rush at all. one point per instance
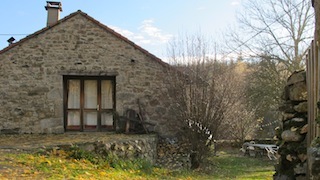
(240, 120)
(242, 124)
(277, 30)
(316, 5)
(205, 92)
(275, 35)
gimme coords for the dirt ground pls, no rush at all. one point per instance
(33, 141)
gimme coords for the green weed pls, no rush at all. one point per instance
(80, 164)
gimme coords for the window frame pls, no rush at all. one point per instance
(82, 78)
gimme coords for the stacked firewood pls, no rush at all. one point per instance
(172, 154)
(291, 135)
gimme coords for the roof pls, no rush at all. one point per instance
(106, 28)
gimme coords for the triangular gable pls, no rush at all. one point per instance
(106, 28)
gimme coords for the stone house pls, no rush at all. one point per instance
(77, 74)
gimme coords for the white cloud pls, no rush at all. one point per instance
(145, 41)
(147, 34)
(153, 33)
(138, 37)
(124, 32)
(201, 8)
(235, 3)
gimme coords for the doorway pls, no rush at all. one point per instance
(89, 103)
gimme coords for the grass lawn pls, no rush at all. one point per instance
(231, 166)
(58, 165)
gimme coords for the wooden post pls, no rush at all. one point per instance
(141, 118)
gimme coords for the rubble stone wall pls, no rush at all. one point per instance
(144, 147)
(172, 154)
(291, 136)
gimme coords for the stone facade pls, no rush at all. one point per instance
(291, 136)
(32, 71)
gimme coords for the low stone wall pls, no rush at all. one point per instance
(291, 136)
(144, 147)
(163, 152)
(172, 154)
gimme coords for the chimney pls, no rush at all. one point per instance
(53, 9)
(10, 40)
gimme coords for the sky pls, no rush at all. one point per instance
(151, 24)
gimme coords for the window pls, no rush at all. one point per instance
(89, 103)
